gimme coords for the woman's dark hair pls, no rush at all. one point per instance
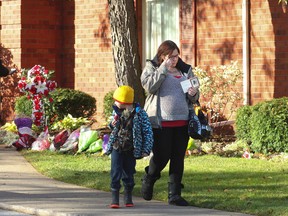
(166, 48)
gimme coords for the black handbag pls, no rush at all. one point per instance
(198, 127)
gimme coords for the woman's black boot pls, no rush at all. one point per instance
(174, 191)
(148, 182)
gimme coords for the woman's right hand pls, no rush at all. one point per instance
(168, 62)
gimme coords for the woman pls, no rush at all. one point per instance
(168, 109)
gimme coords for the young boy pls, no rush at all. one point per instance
(131, 138)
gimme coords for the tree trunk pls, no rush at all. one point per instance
(125, 46)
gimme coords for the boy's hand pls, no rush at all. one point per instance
(114, 121)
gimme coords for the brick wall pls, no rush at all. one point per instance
(10, 35)
(41, 34)
(211, 34)
(219, 32)
(188, 33)
(73, 38)
(214, 37)
(269, 53)
(70, 37)
(94, 66)
(76, 43)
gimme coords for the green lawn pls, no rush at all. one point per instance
(251, 186)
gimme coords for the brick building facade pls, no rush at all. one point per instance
(72, 37)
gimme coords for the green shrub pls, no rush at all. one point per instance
(108, 102)
(73, 102)
(269, 126)
(265, 125)
(242, 123)
(23, 106)
(66, 101)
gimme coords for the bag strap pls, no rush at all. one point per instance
(127, 121)
(193, 104)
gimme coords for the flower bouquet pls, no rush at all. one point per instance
(26, 138)
(37, 85)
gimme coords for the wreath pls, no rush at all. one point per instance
(36, 84)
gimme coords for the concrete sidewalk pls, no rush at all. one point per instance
(23, 189)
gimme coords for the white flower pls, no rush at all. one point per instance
(41, 87)
(29, 85)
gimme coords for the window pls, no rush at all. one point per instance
(160, 22)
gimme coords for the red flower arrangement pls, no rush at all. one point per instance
(36, 84)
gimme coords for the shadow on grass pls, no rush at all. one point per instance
(238, 185)
(237, 192)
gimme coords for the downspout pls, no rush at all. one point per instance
(195, 32)
(246, 54)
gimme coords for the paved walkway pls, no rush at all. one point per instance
(23, 189)
(11, 213)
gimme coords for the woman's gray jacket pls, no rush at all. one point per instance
(151, 79)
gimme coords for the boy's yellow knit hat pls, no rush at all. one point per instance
(124, 94)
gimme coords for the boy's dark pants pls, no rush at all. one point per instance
(122, 167)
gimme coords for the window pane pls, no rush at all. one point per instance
(161, 23)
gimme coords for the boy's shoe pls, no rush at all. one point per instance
(114, 205)
(115, 199)
(129, 205)
(128, 197)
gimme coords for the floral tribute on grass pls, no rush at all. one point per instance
(37, 85)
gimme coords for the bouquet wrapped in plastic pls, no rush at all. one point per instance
(26, 138)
